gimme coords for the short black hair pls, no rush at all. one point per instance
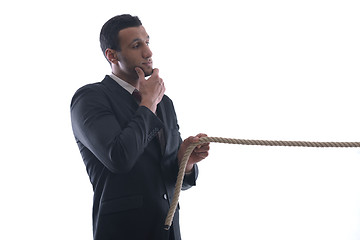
(109, 32)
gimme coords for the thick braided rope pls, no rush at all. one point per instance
(180, 177)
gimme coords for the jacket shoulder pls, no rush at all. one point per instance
(97, 88)
(83, 91)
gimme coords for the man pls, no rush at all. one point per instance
(128, 136)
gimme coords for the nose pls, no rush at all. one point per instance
(147, 52)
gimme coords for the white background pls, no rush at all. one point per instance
(279, 70)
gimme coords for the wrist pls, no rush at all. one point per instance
(150, 106)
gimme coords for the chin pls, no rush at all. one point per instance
(148, 72)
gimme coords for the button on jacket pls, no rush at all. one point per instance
(133, 177)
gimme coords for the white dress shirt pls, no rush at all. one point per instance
(128, 87)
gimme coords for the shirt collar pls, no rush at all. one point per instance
(122, 83)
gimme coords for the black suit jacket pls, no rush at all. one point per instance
(133, 178)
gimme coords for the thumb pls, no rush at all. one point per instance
(140, 73)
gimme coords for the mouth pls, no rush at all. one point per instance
(147, 64)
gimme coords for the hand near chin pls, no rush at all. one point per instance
(152, 90)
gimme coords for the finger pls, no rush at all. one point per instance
(191, 140)
(163, 89)
(155, 73)
(201, 156)
(161, 94)
(196, 139)
(203, 148)
(140, 73)
(205, 145)
(200, 135)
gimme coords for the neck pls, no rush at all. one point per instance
(132, 80)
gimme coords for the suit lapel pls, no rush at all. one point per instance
(121, 96)
(126, 98)
(118, 90)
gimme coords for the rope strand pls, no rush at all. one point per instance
(189, 150)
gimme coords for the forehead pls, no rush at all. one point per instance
(129, 35)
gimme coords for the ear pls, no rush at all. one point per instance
(111, 55)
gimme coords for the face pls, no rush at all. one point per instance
(135, 51)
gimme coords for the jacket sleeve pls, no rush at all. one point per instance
(96, 127)
(190, 178)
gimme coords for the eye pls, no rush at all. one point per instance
(136, 45)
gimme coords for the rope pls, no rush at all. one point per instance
(189, 150)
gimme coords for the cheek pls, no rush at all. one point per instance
(128, 62)
(125, 64)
